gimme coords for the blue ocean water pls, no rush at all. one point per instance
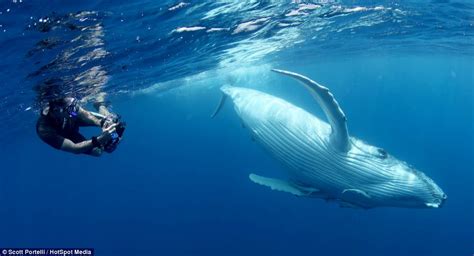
(402, 71)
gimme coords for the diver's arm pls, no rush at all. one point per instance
(89, 119)
(88, 145)
(77, 148)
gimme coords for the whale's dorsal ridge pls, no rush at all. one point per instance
(334, 113)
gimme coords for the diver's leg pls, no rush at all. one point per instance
(100, 105)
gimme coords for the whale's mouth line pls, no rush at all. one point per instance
(439, 202)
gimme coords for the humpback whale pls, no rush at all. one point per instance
(322, 160)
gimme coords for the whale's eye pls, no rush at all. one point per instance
(382, 153)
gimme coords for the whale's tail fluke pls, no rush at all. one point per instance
(220, 105)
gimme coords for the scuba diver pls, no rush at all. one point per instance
(59, 122)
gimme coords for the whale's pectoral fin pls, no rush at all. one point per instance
(334, 113)
(284, 186)
(355, 198)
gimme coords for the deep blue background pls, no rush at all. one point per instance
(178, 184)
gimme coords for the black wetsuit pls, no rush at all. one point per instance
(53, 131)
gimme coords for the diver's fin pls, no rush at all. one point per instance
(355, 197)
(334, 113)
(284, 186)
(219, 107)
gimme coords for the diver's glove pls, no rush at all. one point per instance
(108, 121)
(95, 142)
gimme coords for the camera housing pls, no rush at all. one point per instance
(116, 137)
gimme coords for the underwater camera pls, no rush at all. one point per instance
(116, 137)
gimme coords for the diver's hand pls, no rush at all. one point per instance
(108, 121)
(106, 135)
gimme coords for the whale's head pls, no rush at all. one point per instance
(415, 188)
(401, 185)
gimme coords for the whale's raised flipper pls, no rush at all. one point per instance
(220, 105)
(284, 186)
(334, 114)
